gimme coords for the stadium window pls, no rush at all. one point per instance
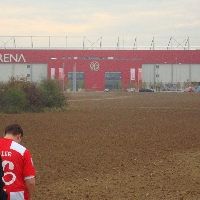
(95, 58)
(28, 76)
(28, 66)
(63, 58)
(69, 58)
(112, 80)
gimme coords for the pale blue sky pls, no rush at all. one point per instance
(110, 19)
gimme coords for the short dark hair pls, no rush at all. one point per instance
(14, 129)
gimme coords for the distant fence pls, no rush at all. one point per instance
(98, 43)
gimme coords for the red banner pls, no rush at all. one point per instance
(139, 74)
(60, 73)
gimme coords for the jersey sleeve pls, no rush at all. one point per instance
(28, 169)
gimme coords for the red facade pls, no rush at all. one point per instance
(107, 60)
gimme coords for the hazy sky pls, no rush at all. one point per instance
(126, 19)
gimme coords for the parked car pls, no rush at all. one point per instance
(197, 89)
(190, 89)
(166, 89)
(145, 90)
(106, 90)
(130, 90)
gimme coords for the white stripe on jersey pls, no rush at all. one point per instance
(29, 177)
(17, 195)
(18, 147)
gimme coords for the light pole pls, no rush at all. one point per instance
(63, 77)
(157, 75)
(74, 78)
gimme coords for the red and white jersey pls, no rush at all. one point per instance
(18, 166)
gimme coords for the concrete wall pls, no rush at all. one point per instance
(174, 73)
(33, 72)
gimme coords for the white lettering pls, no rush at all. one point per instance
(21, 57)
(1, 58)
(6, 153)
(12, 58)
(6, 57)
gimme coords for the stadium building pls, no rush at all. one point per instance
(97, 69)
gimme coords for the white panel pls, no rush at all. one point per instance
(35, 71)
(18, 147)
(20, 70)
(170, 73)
(6, 71)
(164, 72)
(195, 73)
(39, 71)
(181, 73)
(148, 73)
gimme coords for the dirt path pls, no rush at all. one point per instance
(116, 146)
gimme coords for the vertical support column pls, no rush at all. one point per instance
(188, 43)
(190, 73)
(31, 42)
(154, 72)
(153, 44)
(14, 43)
(74, 78)
(31, 73)
(172, 73)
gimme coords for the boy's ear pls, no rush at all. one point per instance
(19, 136)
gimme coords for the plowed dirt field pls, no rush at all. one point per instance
(116, 146)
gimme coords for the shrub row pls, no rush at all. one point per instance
(19, 95)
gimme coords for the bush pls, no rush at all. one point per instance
(52, 94)
(33, 97)
(13, 101)
(19, 95)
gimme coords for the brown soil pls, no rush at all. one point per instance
(116, 146)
